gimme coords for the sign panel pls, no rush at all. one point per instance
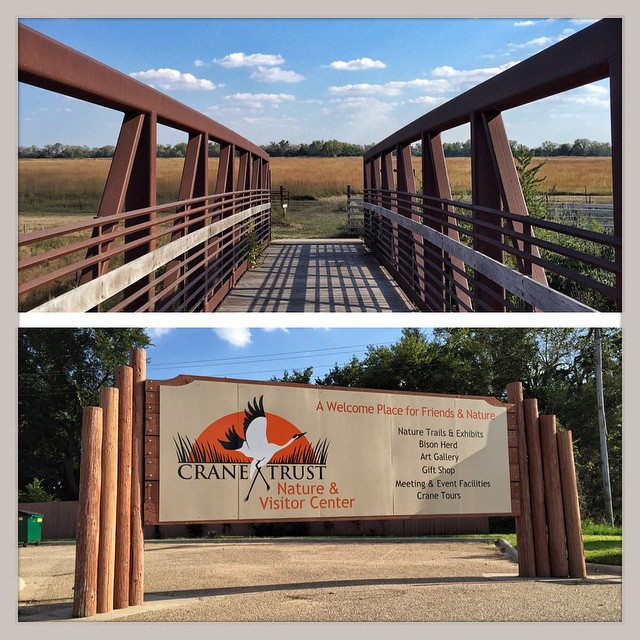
(250, 451)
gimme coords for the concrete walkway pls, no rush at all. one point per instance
(316, 275)
(324, 580)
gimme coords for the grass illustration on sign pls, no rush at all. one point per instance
(265, 438)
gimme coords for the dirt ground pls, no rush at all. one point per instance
(328, 580)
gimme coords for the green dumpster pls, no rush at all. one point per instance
(29, 527)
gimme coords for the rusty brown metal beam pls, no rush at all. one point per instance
(193, 183)
(435, 183)
(486, 194)
(512, 196)
(115, 190)
(48, 64)
(590, 55)
(224, 179)
(587, 56)
(141, 194)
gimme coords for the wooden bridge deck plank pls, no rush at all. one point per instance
(316, 276)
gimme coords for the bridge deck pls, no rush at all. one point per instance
(316, 275)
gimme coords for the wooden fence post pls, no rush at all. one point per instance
(536, 480)
(87, 533)
(524, 531)
(136, 579)
(124, 384)
(553, 498)
(108, 498)
(575, 547)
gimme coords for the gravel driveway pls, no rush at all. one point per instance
(325, 580)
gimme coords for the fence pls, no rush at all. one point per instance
(61, 521)
(490, 255)
(580, 214)
(355, 213)
(138, 255)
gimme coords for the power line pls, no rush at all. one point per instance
(267, 357)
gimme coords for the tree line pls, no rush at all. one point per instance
(555, 366)
(62, 370)
(317, 148)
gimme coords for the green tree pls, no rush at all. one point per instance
(346, 375)
(60, 371)
(34, 492)
(555, 365)
(299, 377)
(530, 181)
(578, 412)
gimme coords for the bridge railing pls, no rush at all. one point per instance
(433, 257)
(194, 252)
(460, 256)
(138, 255)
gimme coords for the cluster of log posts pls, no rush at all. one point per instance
(109, 571)
(548, 528)
(109, 568)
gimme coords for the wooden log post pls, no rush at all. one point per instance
(573, 526)
(536, 483)
(124, 384)
(553, 497)
(85, 587)
(138, 361)
(524, 531)
(108, 498)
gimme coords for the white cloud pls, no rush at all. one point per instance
(535, 43)
(360, 64)
(171, 80)
(591, 94)
(275, 74)
(367, 104)
(428, 100)
(524, 23)
(421, 83)
(236, 336)
(392, 88)
(457, 80)
(542, 41)
(239, 59)
(366, 89)
(259, 100)
(596, 89)
(156, 333)
(475, 75)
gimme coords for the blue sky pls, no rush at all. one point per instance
(305, 79)
(258, 353)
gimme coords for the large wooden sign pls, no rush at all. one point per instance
(222, 450)
(217, 450)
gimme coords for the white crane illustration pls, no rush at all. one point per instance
(255, 444)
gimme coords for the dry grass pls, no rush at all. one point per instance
(75, 186)
(316, 177)
(562, 175)
(330, 176)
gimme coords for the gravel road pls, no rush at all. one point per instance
(324, 580)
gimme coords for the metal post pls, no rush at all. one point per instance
(602, 421)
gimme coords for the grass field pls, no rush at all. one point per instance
(72, 187)
(602, 543)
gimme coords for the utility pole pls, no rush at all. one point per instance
(604, 454)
